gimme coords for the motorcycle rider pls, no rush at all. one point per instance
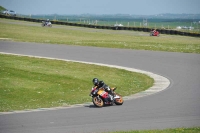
(100, 84)
(47, 22)
(154, 31)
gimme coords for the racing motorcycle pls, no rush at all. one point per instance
(101, 98)
(46, 24)
(156, 33)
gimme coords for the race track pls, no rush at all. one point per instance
(176, 106)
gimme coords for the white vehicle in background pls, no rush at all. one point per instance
(9, 12)
(118, 25)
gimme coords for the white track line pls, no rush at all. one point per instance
(160, 83)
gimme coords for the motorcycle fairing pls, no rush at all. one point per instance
(102, 93)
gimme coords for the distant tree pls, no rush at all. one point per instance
(2, 8)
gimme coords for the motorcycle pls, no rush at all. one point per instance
(101, 98)
(46, 24)
(156, 33)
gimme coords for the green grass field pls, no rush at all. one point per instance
(69, 35)
(31, 83)
(177, 130)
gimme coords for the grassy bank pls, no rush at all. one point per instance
(30, 83)
(33, 32)
(176, 130)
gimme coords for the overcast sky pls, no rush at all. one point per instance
(135, 7)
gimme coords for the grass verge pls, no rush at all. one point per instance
(33, 32)
(176, 130)
(30, 83)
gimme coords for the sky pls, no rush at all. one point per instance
(76, 7)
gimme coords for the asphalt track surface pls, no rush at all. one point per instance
(176, 106)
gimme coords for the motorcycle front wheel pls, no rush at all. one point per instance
(98, 101)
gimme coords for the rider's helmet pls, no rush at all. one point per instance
(95, 81)
(47, 20)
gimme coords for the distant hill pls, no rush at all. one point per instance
(178, 16)
(117, 17)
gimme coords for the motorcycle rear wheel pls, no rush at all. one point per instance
(98, 101)
(119, 101)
